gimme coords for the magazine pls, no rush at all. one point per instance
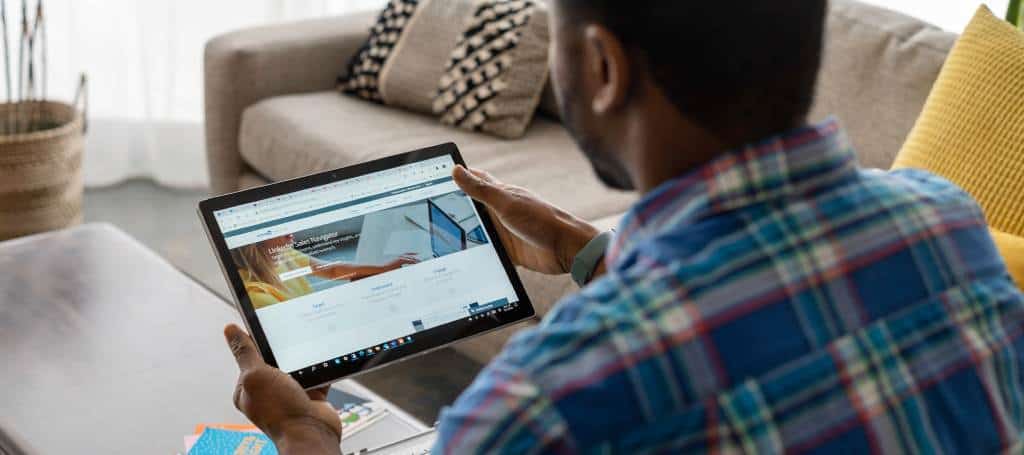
(356, 414)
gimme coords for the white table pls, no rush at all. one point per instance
(107, 348)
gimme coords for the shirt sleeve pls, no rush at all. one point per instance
(503, 412)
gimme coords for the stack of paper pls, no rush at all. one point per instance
(356, 415)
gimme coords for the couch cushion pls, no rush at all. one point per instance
(290, 136)
(878, 69)
(498, 70)
(972, 128)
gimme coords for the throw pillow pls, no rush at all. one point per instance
(363, 78)
(405, 55)
(1012, 249)
(972, 128)
(417, 46)
(498, 70)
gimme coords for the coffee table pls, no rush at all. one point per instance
(107, 348)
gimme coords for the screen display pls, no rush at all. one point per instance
(446, 235)
(342, 272)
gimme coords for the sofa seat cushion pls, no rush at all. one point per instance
(296, 135)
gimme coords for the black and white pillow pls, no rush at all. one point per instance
(496, 75)
(363, 78)
(478, 64)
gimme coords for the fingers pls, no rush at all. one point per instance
(480, 174)
(478, 185)
(483, 175)
(236, 397)
(319, 394)
(242, 348)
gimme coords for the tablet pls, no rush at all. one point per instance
(349, 270)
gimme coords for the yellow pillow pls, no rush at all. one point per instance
(972, 128)
(1012, 248)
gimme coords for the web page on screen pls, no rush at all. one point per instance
(363, 262)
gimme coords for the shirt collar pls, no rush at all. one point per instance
(796, 162)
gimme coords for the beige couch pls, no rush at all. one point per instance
(272, 113)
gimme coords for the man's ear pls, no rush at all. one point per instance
(609, 66)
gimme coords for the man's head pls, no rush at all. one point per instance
(710, 73)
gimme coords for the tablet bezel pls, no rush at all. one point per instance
(426, 341)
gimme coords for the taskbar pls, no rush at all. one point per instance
(357, 356)
(478, 318)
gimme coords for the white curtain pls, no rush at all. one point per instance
(952, 15)
(144, 62)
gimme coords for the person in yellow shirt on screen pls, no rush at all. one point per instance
(261, 265)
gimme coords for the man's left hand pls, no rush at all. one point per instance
(297, 421)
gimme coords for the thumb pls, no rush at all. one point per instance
(477, 187)
(242, 348)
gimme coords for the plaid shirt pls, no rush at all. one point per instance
(780, 299)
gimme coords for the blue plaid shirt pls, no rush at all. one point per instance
(779, 299)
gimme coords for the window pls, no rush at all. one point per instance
(951, 15)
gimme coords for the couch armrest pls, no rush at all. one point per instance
(246, 66)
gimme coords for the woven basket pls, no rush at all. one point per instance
(40, 171)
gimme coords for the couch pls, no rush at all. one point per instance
(272, 113)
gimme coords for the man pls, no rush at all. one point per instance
(765, 294)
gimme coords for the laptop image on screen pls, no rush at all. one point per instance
(446, 236)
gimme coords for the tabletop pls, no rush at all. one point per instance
(107, 348)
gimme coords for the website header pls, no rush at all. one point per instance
(279, 209)
(338, 212)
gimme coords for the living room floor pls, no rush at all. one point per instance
(165, 220)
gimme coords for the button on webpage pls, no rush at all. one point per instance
(297, 273)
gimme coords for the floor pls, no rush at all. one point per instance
(166, 221)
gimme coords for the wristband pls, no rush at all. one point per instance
(587, 260)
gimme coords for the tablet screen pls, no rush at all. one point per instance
(340, 273)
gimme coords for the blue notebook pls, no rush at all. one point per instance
(226, 442)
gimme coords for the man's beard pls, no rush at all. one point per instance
(609, 170)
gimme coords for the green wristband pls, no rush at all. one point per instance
(587, 260)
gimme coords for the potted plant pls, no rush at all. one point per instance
(41, 140)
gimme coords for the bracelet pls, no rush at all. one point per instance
(587, 260)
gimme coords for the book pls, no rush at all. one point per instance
(356, 414)
(214, 441)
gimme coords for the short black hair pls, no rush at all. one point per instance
(723, 62)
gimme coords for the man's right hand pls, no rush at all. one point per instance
(537, 235)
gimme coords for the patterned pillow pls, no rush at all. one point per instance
(417, 43)
(364, 70)
(497, 72)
